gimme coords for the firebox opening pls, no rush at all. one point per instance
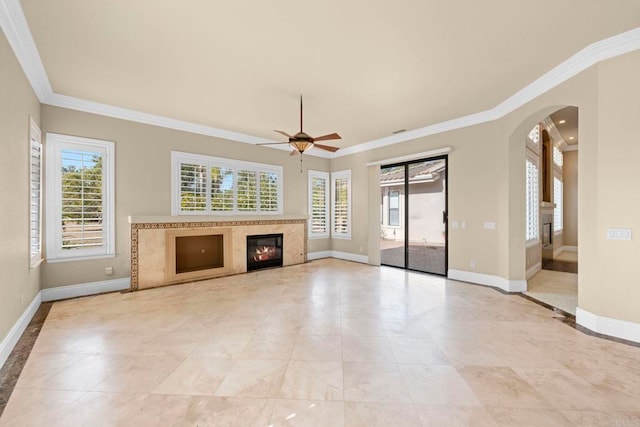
(264, 251)
(195, 253)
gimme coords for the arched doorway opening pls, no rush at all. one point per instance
(551, 214)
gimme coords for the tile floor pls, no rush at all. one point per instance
(328, 343)
(567, 256)
(556, 288)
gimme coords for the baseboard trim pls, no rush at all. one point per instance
(608, 326)
(557, 252)
(488, 280)
(533, 270)
(347, 256)
(569, 248)
(10, 341)
(84, 289)
(318, 255)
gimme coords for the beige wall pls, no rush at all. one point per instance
(19, 284)
(533, 256)
(618, 271)
(570, 199)
(143, 179)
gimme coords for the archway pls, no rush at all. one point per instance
(543, 205)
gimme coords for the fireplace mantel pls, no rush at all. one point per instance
(157, 219)
(150, 243)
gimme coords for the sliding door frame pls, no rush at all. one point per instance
(445, 214)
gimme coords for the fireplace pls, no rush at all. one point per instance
(547, 235)
(264, 251)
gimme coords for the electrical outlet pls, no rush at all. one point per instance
(361, 249)
(473, 263)
(108, 271)
(455, 224)
(463, 224)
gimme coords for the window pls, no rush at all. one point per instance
(381, 206)
(534, 135)
(557, 198)
(80, 198)
(204, 185)
(394, 208)
(557, 157)
(35, 193)
(318, 204)
(341, 204)
(532, 198)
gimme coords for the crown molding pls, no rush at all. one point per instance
(83, 105)
(15, 27)
(599, 51)
(410, 157)
(573, 147)
(554, 133)
(14, 24)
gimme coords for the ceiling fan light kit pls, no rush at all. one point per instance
(301, 142)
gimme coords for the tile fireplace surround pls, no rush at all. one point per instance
(153, 247)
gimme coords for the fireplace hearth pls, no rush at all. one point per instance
(264, 251)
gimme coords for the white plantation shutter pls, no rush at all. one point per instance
(247, 196)
(268, 192)
(82, 201)
(80, 219)
(557, 198)
(212, 185)
(35, 193)
(532, 199)
(558, 157)
(221, 189)
(534, 134)
(318, 204)
(341, 204)
(193, 187)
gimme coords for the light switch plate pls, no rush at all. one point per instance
(618, 234)
(490, 225)
(455, 224)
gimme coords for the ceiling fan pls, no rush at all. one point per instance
(301, 142)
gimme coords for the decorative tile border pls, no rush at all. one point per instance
(135, 227)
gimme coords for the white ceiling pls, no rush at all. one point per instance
(365, 67)
(566, 121)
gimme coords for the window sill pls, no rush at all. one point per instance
(557, 233)
(318, 237)
(532, 244)
(79, 258)
(342, 237)
(35, 264)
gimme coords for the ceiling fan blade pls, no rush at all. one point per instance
(326, 147)
(293, 152)
(272, 143)
(328, 137)
(283, 133)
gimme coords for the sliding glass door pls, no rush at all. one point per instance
(413, 215)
